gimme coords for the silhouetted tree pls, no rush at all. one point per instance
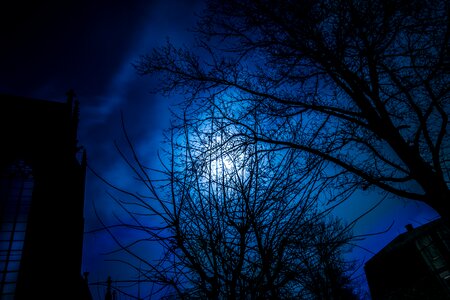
(328, 275)
(234, 223)
(363, 85)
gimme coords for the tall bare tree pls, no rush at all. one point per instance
(234, 223)
(363, 85)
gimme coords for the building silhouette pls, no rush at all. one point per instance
(415, 265)
(41, 200)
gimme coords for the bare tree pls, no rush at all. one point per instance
(234, 223)
(328, 274)
(363, 85)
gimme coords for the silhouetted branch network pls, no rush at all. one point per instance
(363, 85)
(237, 222)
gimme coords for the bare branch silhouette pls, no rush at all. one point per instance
(363, 85)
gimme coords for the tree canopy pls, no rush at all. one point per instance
(362, 85)
(241, 223)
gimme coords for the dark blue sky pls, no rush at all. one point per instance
(89, 46)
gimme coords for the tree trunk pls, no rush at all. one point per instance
(437, 193)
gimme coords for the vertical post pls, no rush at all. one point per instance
(108, 295)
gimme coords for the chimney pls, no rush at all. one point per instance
(409, 227)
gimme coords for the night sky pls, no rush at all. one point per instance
(90, 46)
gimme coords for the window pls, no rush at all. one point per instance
(16, 187)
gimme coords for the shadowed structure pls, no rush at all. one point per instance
(41, 201)
(415, 265)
